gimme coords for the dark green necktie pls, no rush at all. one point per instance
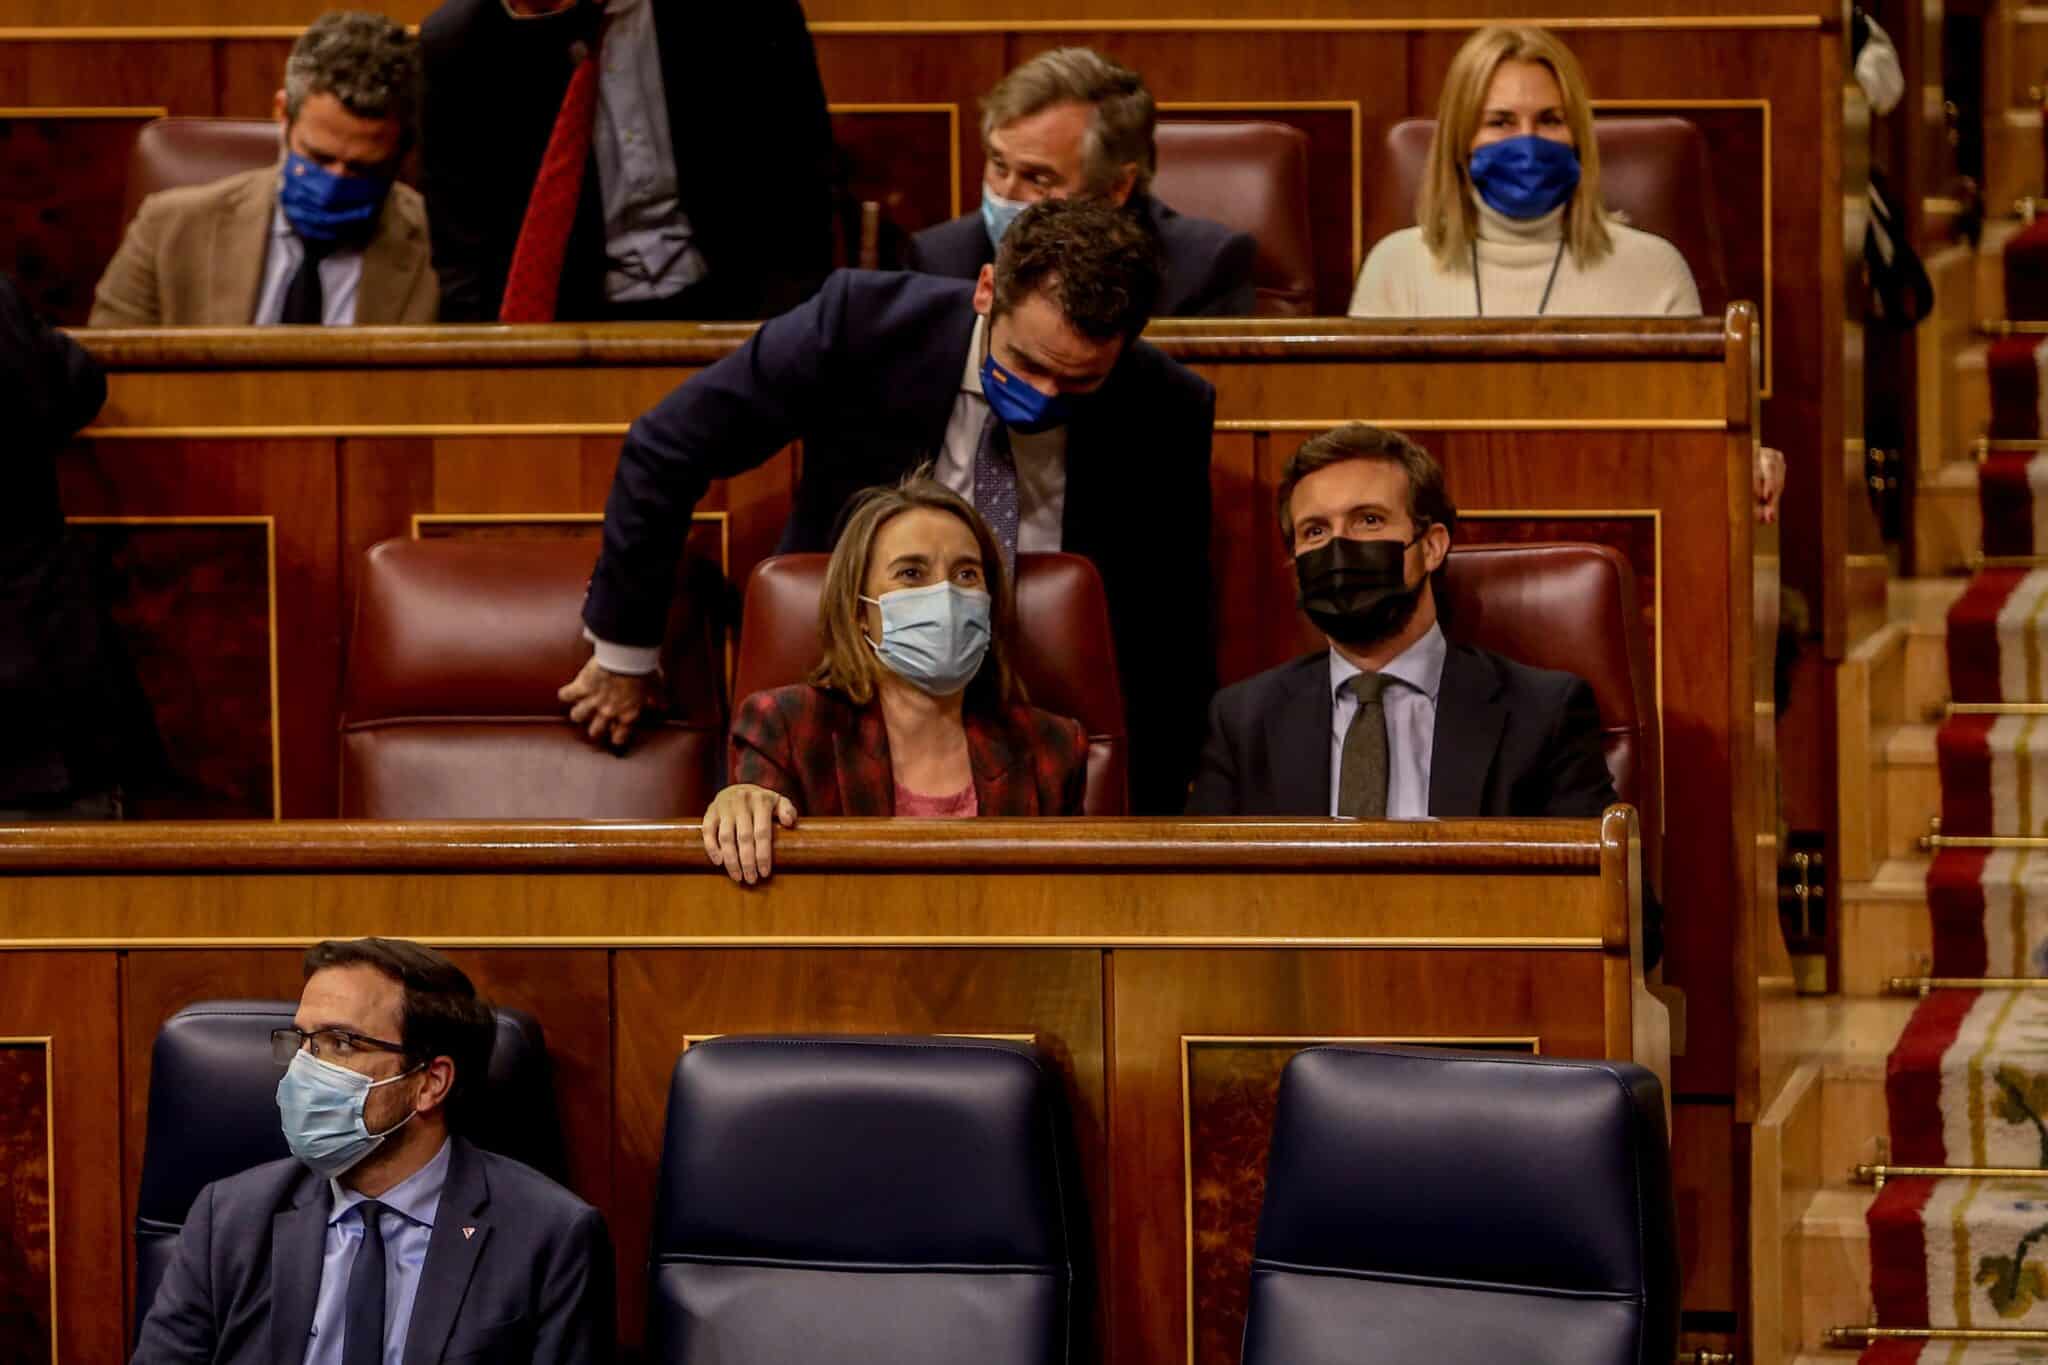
(1362, 788)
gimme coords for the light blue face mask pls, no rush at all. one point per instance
(322, 1105)
(933, 638)
(997, 213)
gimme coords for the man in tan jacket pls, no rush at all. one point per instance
(326, 236)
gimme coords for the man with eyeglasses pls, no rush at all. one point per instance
(384, 1238)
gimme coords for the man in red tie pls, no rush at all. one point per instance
(624, 160)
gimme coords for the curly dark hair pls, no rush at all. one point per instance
(368, 62)
(1099, 263)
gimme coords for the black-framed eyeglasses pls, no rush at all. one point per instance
(326, 1044)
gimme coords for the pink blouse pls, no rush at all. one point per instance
(961, 805)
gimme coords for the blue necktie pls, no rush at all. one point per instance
(995, 486)
(362, 1334)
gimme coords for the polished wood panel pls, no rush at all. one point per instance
(61, 179)
(1114, 945)
(74, 1000)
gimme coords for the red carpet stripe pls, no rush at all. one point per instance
(2026, 273)
(1973, 650)
(1963, 751)
(1912, 1080)
(2005, 495)
(1898, 1253)
(2015, 388)
(1955, 899)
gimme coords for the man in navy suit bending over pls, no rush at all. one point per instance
(1031, 394)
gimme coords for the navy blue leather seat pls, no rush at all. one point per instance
(1464, 1208)
(835, 1200)
(213, 1113)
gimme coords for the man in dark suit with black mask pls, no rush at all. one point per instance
(1393, 720)
(1072, 122)
(1031, 395)
(624, 160)
(74, 726)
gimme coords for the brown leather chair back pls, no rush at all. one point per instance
(1252, 177)
(1652, 170)
(449, 710)
(170, 152)
(1573, 607)
(1067, 658)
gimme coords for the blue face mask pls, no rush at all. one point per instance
(1525, 177)
(997, 213)
(933, 638)
(324, 207)
(1019, 406)
(322, 1105)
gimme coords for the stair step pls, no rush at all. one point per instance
(1834, 1262)
(1948, 525)
(1885, 930)
(1912, 786)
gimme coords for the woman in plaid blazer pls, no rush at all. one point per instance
(914, 709)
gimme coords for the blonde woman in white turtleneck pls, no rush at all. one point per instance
(1510, 222)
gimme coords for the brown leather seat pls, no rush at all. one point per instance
(1653, 170)
(1573, 607)
(449, 710)
(1252, 177)
(1067, 659)
(171, 152)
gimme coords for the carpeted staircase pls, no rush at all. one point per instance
(1966, 1086)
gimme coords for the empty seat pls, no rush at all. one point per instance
(171, 152)
(450, 708)
(841, 1201)
(213, 1113)
(1464, 1208)
(1654, 171)
(1067, 659)
(1252, 176)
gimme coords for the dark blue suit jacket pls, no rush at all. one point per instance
(1208, 265)
(865, 375)
(533, 1283)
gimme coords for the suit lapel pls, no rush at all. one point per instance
(233, 270)
(1469, 720)
(993, 758)
(391, 263)
(298, 1243)
(460, 1232)
(1298, 740)
(948, 357)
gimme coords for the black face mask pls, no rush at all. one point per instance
(1356, 591)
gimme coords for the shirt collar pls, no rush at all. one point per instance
(418, 1196)
(1420, 666)
(970, 377)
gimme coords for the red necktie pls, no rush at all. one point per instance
(536, 275)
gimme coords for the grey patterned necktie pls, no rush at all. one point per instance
(1362, 786)
(995, 486)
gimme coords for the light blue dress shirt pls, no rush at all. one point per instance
(341, 277)
(648, 242)
(1410, 705)
(409, 1209)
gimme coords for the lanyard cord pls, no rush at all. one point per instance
(1479, 301)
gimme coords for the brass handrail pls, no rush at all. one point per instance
(1921, 985)
(1875, 1174)
(1864, 1336)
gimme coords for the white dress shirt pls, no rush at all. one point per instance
(648, 241)
(1410, 706)
(1041, 487)
(341, 275)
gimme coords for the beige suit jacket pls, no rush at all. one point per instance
(193, 257)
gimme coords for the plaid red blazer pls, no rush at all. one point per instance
(831, 757)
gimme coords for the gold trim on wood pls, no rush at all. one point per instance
(1767, 311)
(30, 111)
(1258, 424)
(1187, 1120)
(627, 941)
(48, 1044)
(952, 113)
(358, 430)
(269, 525)
(1357, 112)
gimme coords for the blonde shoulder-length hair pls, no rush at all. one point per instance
(849, 665)
(1444, 207)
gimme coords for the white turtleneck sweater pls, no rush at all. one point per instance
(1643, 276)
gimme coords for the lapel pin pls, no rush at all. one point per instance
(468, 1233)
